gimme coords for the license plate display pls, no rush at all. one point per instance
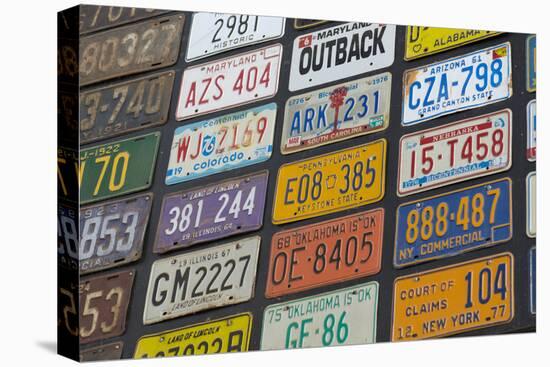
(330, 182)
(130, 49)
(339, 52)
(96, 17)
(336, 113)
(229, 82)
(200, 280)
(532, 131)
(230, 334)
(457, 84)
(454, 299)
(455, 152)
(123, 107)
(533, 278)
(449, 224)
(67, 174)
(117, 168)
(108, 352)
(531, 55)
(342, 317)
(221, 144)
(67, 236)
(307, 23)
(214, 33)
(532, 204)
(325, 253)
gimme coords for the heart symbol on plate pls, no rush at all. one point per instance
(417, 47)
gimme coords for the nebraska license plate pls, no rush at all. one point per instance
(457, 84)
(107, 352)
(452, 223)
(221, 144)
(229, 82)
(339, 52)
(532, 131)
(96, 17)
(455, 152)
(341, 317)
(336, 113)
(67, 235)
(325, 253)
(203, 214)
(531, 56)
(194, 281)
(454, 299)
(531, 182)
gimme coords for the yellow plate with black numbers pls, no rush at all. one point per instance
(330, 182)
(230, 334)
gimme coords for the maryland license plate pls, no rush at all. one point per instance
(229, 82)
(449, 224)
(457, 84)
(221, 144)
(455, 152)
(96, 17)
(454, 299)
(201, 280)
(342, 317)
(336, 113)
(67, 235)
(531, 182)
(532, 131)
(330, 182)
(203, 214)
(107, 352)
(531, 55)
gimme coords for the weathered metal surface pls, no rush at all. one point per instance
(97, 17)
(107, 352)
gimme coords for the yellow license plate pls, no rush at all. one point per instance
(453, 299)
(330, 182)
(423, 41)
(230, 334)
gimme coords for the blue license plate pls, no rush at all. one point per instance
(531, 63)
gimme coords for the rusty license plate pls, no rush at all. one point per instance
(107, 352)
(97, 17)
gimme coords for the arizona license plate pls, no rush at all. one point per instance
(342, 317)
(450, 224)
(230, 334)
(200, 280)
(336, 113)
(67, 236)
(230, 207)
(107, 352)
(531, 55)
(454, 299)
(532, 204)
(339, 52)
(117, 168)
(325, 253)
(221, 144)
(307, 23)
(532, 131)
(455, 152)
(214, 33)
(533, 279)
(330, 182)
(67, 174)
(229, 82)
(96, 17)
(457, 84)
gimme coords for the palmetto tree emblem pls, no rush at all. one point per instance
(336, 101)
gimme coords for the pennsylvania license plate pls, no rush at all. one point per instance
(230, 334)
(203, 214)
(117, 168)
(533, 279)
(325, 253)
(454, 299)
(307, 23)
(201, 280)
(450, 224)
(339, 52)
(531, 55)
(67, 174)
(532, 131)
(96, 17)
(67, 235)
(342, 317)
(532, 204)
(336, 113)
(457, 84)
(455, 152)
(214, 33)
(229, 82)
(330, 182)
(107, 352)
(221, 144)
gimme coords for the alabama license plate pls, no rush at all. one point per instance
(532, 131)
(107, 352)
(454, 299)
(201, 280)
(533, 279)
(455, 152)
(457, 84)
(221, 144)
(325, 253)
(339, 52)
(531, 182)
(67, 174)
(307, 23)
(336, 113)
(531, 55)
(117, 168)
(67, 235)
(229, 82)
(342, 317)
(212, 212)
(96, 17)
(452, 223)
(214, 33)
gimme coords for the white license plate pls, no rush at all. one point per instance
(457, 84)
(455, 152)
(339, 52)
(229, 82)
(532, 204)
(213, 33)
(200, 280)
(342, 317)
(532, 131)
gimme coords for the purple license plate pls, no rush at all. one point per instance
(209, 213)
